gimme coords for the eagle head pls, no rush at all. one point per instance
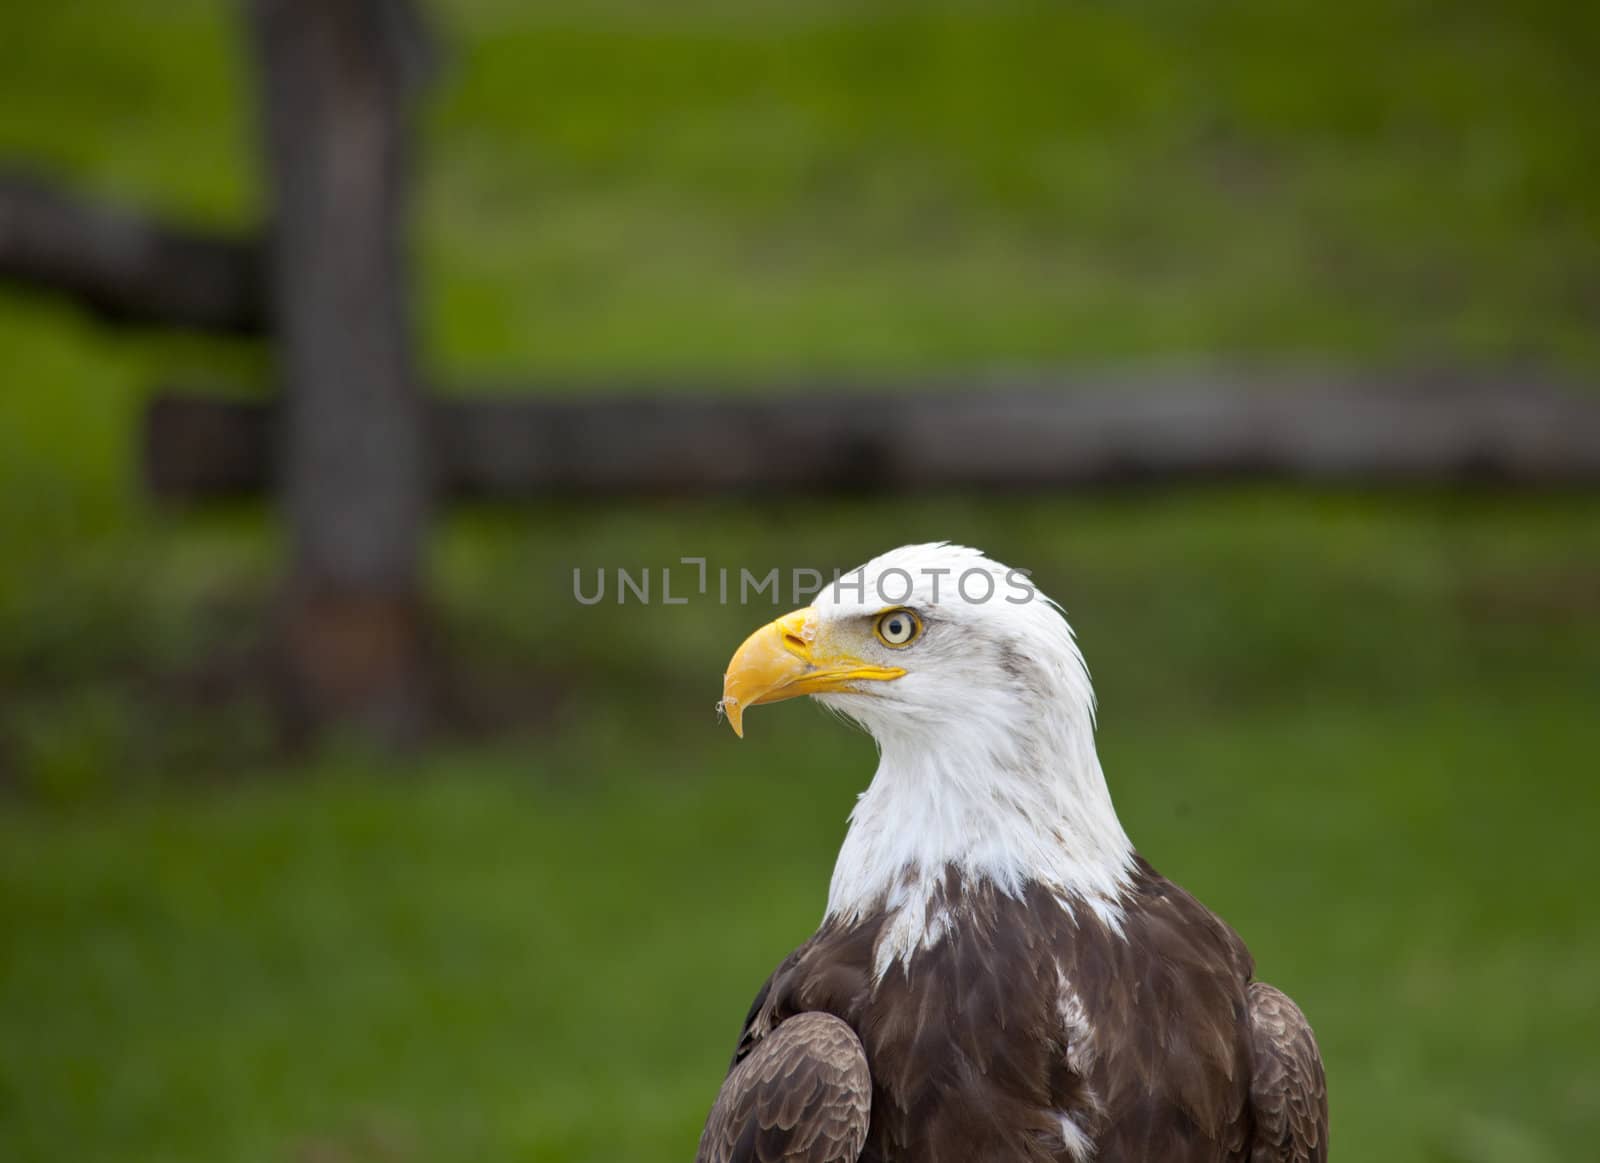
(924, 642)
(971, 682)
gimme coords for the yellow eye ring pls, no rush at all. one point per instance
(898, 628)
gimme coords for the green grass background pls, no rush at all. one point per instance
(1363, 727)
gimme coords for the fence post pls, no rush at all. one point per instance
(337, 80)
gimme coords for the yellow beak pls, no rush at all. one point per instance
(780, 661)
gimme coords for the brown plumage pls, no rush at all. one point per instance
(804, 1093)
(1288, 1093)
(1151, 1044)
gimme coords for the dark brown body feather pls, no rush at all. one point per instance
(1028, 1011)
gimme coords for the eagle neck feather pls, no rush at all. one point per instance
(954, 814)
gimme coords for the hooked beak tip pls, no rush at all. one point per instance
(728, 707)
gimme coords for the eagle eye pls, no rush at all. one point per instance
(898, 627)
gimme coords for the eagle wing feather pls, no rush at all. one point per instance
(1288, 1091)
(803, 1094)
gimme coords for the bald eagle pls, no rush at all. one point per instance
(999, 975)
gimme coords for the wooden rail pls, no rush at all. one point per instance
(127, 267)
(816, 439)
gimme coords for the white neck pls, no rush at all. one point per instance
(1010, 800)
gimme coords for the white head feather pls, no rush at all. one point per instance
(986, 748)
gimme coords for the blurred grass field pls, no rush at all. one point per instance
(1362, 727)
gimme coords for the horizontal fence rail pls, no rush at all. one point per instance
(831, 439)
(128, 267)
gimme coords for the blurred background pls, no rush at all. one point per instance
(337, 335)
